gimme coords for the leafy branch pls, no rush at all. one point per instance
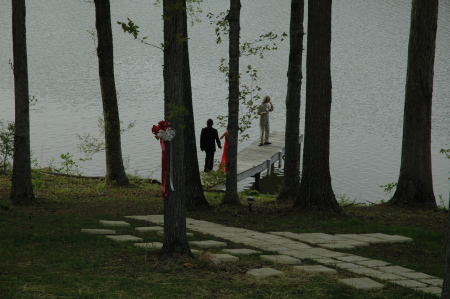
(133, 29)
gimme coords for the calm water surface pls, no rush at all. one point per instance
(369, 56)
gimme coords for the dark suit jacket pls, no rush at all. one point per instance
(208, 139)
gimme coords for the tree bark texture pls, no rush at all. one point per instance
(231, 194)
(316, 192)
(176, 91)
(115, 171)
(292, 150)
(21, 187)
(415, 182)
(193, 185)
(446, 286)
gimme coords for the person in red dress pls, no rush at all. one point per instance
(223, 163)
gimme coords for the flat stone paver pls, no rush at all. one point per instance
(352, 258)
(150, 229)
(124, 238)
(435, 282)
(361, 238)
(386, 276)
(315, 269)
(140, 217)
(336, 245)
(394, 269)
(114, 223)
(208, 244)
(362, 283)
(372, 263)
(98, 231)
(281, 259)
(296, 246)
(390, 238)
(349, 266)
(366, 271)
(151, 245)
(326, 261)
(431, 290)
(264, 272)
(224, 257)
(275, 248)
(292, 247)
(415, 275)
(410, 283)
(243, 251)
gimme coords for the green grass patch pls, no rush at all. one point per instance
(44, 254)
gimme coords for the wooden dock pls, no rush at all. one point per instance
(254, 159)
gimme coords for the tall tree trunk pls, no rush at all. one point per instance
(115, 172)
(415, 182)
(231, 194)
(316, 193)
(176, 93)
(193, 185)
(446, 286)
(292, 151)
(21, 187)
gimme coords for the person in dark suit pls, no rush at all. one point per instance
(208, 139)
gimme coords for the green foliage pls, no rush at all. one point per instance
(446, 152)
(133, 29)
(249, 192)
(90, 145)
(130, 28)
(68, 165)
(7, 130)
(442, 203)
(389, 187)
(213, 178)
(249, 94)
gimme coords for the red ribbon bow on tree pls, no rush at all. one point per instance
(164, 133)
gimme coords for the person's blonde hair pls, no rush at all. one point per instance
(266, 99)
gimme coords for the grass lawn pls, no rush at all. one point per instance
(44, 254)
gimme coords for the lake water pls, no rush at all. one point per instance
(369, 56)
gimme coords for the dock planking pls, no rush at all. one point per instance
(254, 159)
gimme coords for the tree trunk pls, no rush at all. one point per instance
(115, 171)
(415, 182)
(231, 194)
(316, 192)
(193, 187)
(21, 187)
(446, 286)
(176, 93)
(292, 151)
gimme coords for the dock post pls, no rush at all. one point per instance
(257, 178)
(279, 159)
(268, 166)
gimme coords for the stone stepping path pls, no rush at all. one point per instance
(208, 244)
(281, 259)
(264, 273)
(316, 269)
(244, 251)
(150, 229)
(291, 249)
(114, 223)
(362, 283)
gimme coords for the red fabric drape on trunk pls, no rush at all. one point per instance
(164, 169)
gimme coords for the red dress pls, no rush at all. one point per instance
(223, 163)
